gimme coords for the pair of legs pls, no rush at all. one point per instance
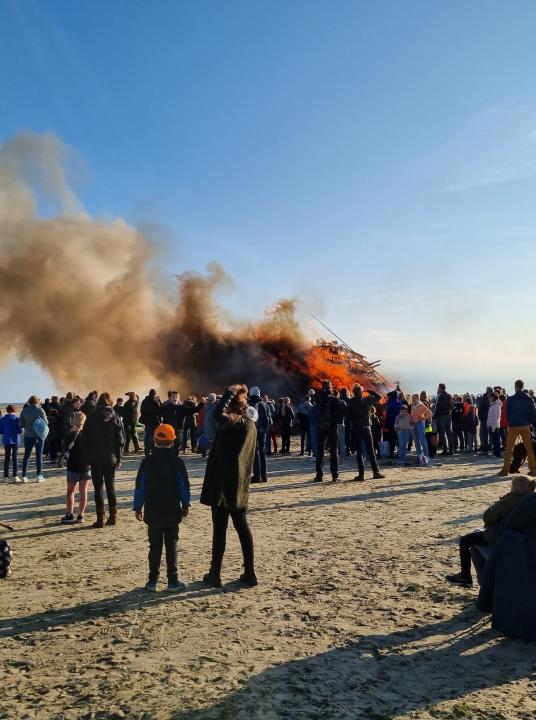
(285, 439)
(191, 431)
(362, 437)
(305, 438)
(220, 521)
(403, 439)
(10, 455)
(513, 434)
(466, 542)
(104, 476)
(419, 436)
(29, 444)
(158, 538)
(131, 436)
(271, 438)
(459, 437)
(496, 440)
(390, 435)
(444, 428)
(259, 464)
(148, 440)
(331, 437)
(82, 496)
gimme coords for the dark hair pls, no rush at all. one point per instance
(326, 384)
(11, 409)
(519, 385)
(105, 399)
(442, 387)
(493, 396)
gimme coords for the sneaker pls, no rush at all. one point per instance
(151, 585)
(15, 479)
(67, 519)
(176, 586)
(24, 478)
(39, 479)
(460, 579)
(80, 519)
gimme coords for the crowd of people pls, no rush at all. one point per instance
(235, 432)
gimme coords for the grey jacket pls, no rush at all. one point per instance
(28, 416)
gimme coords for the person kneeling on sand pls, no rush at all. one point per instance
(227, 479)
(493, 518)
(162, 499)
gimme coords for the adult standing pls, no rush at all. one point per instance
(494, 423)
(420, 415)
(90, 403)
(328, 416)
(264, 422)
(211, 425)
(170, 415)
(391, 414)
(227, 480)
(30, 413)
(130, 420)
(521, 413)
(304, 409)
(359, 411)
(482, 405)
(103, 441)
(150, 418)
(286, 415)
(443, 418)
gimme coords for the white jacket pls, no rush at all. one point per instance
(494, 415)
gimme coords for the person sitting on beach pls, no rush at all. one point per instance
(162, 499)
(493, 518)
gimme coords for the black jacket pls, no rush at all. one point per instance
(170, 414)
(443, 404)
(150, 412)
(89, 406)
(103, 437)
(329, 413)
(359, 409)
(264, 421)
(130, 412)
(162, 488)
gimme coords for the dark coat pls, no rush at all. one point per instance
(162, 488)
(103, 437)
(443, 404)
(230, 463)
(359, 409)
(89, 406)
(130, 412)
(170, 414)
(150, 412)
(509, 585)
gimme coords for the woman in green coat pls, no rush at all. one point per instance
(227, 478)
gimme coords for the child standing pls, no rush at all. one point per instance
(162, 499)
(403, 429)
(11, 431)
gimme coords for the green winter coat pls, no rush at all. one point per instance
(230, 463)
(495, 515)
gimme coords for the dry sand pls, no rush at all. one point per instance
(352, 618)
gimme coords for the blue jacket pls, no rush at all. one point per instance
(11, 429)
(162, 486)
(392, 412)
(520, 410)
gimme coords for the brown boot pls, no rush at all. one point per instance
(99, 522)
(112, 519)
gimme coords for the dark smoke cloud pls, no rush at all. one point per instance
(78, 297)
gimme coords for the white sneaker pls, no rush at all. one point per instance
(25, 479)
(39, 479)
(15, 479)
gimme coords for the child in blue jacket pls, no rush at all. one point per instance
(162, 499)
(11, 431)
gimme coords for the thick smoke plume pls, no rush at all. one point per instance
(80, 300)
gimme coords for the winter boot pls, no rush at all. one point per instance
(112, 519)
(99, 522)
(213, 577)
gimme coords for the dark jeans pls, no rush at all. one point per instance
(220, 520)
(285, 438)
(444, 428)
(53, 448)
(259, 464)
(459, 437)
(391, 437)
(148, 441)
(474, 538)
(130, 435)
(10, 452)
(484, 435)
(363, 436)
(29, 444)
(159, 536)
(102, 475)
(496, 440)
(333, 442)
(192, 432)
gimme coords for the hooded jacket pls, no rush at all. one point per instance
(162, 486)
(494, 415)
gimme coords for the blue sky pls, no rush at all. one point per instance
(376, 159)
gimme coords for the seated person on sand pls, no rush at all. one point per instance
(493, 518)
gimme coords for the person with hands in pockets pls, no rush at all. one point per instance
(162, 499)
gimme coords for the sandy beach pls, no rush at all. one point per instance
(352, 617)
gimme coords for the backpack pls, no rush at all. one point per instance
(40, 428)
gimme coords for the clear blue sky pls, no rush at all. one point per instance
(377, 159)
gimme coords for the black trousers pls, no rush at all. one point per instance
(104, 475)
(333, 442)
(220, 520)
(305, 435)
(285, 438)
(10, 452)
(362, 436)
(130, 435)
(158, 537)
(466, 541)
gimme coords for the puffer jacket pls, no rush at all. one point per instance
(494, 415)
